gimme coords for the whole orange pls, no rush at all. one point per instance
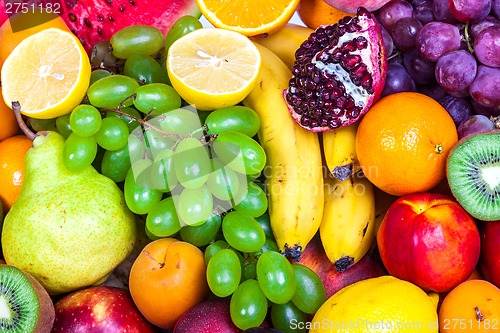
(30, 23)
(403, 142)
(166, 279)
(317, 12)
(12, 152)
(8, 121)
(472, 306)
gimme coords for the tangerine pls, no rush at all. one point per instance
(472, 306)
(12, 152)
(315, 13)
(403, 142)
(9, 125)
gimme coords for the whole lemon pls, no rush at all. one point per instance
(382, 304)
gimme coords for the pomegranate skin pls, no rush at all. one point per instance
(490, 254)
(430, 240)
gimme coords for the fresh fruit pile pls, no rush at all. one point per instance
(253, 176)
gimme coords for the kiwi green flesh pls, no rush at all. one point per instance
(23, 305)
(473, 172)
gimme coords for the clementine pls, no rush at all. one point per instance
(166, 279)
(12, 152)
(472, 306)
(8, 120)
(317, 12)
(403, 142)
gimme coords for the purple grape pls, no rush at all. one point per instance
(474, 124)
(485, 111)
(397, 80)
(394, 10)
(434, 91)
(442, 13)
(388, 42)
(495, 8)
(456, 70)
(420, 70)
(477, 27)
(460, 93)
(487, 46)
(435, 39)
(424, 13)
(470, 10)
(415, 3)
(458, 108)
(485, 89)
(404, 32)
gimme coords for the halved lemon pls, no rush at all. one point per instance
(212, 68)
(48, 73)
(249, 17)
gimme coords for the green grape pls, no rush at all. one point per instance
(284, 315)
(162, 219)
(97, 162)
(195, 205)
(243, 232)
(181, 27)
(139, 199)
(130, 112)
(191, 163)
(163, 176)
(63, 125)
(85, 120)
(145, 68)
(213, 248)
(115, 164)
(269, 245)
(136, 148)
(223, 182)
(248, 305)
(276, 277)
(310, 292)
(135, 39)
(39, 125)
(180, 121)
(98, 74)
(112, 91)
(265, 223)
(79, 152)
(155, 142)
(156, 98)
(203, 234)
(240, 152)
(249, 270)
(233, 118)
(224, 273)
(150, 235)
(254, 203)
(113, 134)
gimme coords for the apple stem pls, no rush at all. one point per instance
(16, 107)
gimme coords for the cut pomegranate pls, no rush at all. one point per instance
(339, 72)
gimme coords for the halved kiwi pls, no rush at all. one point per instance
(25, 306)
(473, 171)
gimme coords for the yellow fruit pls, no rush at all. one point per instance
(382, 304)
(213, 68)
(249, 17)
(48, 73)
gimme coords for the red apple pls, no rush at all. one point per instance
(490, 253)
(429, 240)
(99, 309)
(315, 258)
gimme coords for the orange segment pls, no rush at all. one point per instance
(48, 73)
(249, 17)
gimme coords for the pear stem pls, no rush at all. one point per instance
(16, 107)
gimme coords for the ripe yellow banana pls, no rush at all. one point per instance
(339, 149)
(347, 229)
(285, 41)
(294, 172)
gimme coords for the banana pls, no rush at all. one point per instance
(294, 172)
(285, 41)
(347, 229)
(339, 149)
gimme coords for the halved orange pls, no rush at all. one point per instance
(48, 73)
(249, 17)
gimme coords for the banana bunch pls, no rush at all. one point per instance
(339, 148)
(347, 229)
(294, 171)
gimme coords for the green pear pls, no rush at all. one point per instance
(67, 229)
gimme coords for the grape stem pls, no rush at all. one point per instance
(16, 107)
